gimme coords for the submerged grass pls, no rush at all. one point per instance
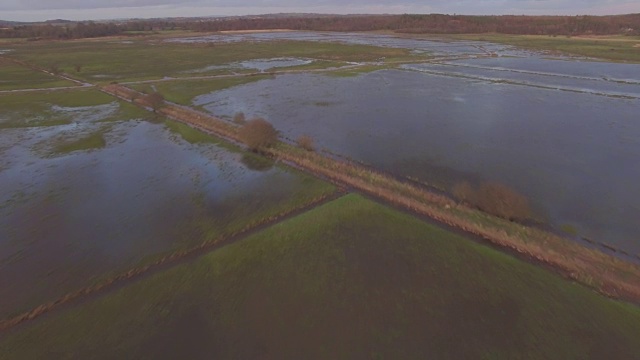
(210, 215)
(189, 134)
(105, 60)
(38, 108)
(89, 142)
(352, 72)
(349, 279)
(621, 49)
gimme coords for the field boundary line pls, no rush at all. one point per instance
(164, 263)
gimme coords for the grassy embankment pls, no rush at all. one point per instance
(109, 60)
(349, 279)
(610, 48)
(602, 272)
(16, 77)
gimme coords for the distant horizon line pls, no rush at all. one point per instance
(95, 19)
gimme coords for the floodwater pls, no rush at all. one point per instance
(67, 219)
(435, 47)
(564, 131)
(256, 64)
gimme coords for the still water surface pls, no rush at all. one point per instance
(563, 130)
(67, 219)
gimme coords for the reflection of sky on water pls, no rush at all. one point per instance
(66, 218)
(571, 153)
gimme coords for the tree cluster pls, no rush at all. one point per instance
(258, 134)
(427, 24)
(155, 100)
(494, 198)
(437, 24)
(62, 31)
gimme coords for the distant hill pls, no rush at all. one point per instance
(5, 23)
(58, 21)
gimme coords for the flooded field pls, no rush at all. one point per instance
(95, 194)
(562, 131)
(257, 64)
(435, 47)
(115, 222)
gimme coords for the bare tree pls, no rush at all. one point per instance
(155, 100)
(464, 192)
(500, 200)
(239, 118)
(306, 142)
(258, 134)
(54, 68)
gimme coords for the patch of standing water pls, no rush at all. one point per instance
(433, 46)
(579, 69)
(267, 64)
(69, 219)
(87, 113)
(535, 79)
(257, 64)
(571, 153)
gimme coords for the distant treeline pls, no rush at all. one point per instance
(441, 24)
(422, 24)
(62, 31)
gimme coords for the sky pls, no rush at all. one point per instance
(38, 10)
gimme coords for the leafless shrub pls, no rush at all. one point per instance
(306, 142)
(501, 201)
(464, 192)
(155, 100)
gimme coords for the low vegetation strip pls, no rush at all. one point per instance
(165, 261)
(608, 275)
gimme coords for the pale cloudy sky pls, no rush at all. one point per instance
(32, 10)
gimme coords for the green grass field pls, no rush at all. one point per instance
(15, 77)
(616, 48)
(109, 60)
(349, 280)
